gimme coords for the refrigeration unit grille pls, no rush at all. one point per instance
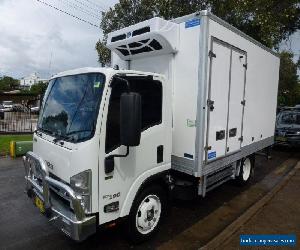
(138, 47)
(141, 31)
(129, 34)
(118, 38)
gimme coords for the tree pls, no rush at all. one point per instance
(289, 86)
(38, 88)
(129, 12)
(8, 83)
(268, 21)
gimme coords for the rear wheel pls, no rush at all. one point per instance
(146, 214)
(246, 171)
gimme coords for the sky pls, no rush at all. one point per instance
(37, 38)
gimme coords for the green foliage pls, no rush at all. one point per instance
(103, 52)
(8, 83)
(38, 88)
(268, 21)
(129, 12)
(289, 86)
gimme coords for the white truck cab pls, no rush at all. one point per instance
(175, 118)
(102, 133)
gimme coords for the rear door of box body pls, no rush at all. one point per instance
(226, 92)
(236, 96)
(218, 100)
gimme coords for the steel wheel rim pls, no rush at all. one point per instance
(148, 214)
(246, 169)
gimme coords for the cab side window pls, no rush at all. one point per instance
(151, 94)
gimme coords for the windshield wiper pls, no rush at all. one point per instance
(60, 138)
(47, 131)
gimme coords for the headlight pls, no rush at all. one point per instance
(82, 185)
(298, 132)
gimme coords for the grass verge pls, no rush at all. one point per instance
(5, 141)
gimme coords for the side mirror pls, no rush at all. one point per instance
(130, 119)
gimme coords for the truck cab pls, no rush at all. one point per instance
(101, 134)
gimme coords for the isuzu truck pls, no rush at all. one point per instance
(184, 109)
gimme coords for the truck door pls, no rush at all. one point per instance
(225, 99)
(153, 155)
(236, 96)
(218, 100)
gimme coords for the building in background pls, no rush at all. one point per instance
(27, 81)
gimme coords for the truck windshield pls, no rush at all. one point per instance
(289, 118)
(71, 105)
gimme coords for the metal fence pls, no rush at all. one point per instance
(18, 122)
(18, 112)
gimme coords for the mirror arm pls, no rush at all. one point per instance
(109, 165)
(126, 154)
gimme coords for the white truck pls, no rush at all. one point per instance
(187, 105)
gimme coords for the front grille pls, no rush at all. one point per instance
(287, 133)
(291, 134)
(53, 176)
(60, 194)
(40, 182)
(54, 194)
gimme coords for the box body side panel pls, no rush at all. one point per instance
(185, 88)
(185, 72)
(261, 84)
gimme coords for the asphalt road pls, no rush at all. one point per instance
(23, 227)
(283, 207)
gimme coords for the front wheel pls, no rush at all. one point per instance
(146, 214)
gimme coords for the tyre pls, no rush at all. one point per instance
(146, 214)
(246, 171)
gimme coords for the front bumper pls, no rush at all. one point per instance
(74, 223)
(288, 140)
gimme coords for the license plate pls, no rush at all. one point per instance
(280, 138)
(40, 204)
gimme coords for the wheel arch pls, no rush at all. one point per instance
(239, 174)
(251, 158)
(155, 176)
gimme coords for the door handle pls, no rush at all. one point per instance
(210, 105)
(160, 154)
